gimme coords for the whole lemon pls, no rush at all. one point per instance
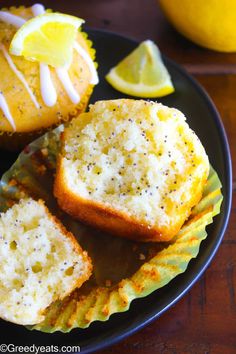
(210, 23)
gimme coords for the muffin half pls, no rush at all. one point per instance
(40, 262)
(132, 168)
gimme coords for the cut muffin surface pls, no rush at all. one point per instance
(131, 167)
(40, 262)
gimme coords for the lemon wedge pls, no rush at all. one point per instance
(47, 38)
(142, 73)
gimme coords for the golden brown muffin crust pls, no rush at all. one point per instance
(27, 117)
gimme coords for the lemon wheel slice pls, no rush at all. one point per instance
(142, 73)
(47, 38)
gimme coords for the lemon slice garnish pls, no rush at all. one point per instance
(142, 73)
(47, 38)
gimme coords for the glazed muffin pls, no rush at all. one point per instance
(34, 96)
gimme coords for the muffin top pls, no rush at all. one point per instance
(33, 95)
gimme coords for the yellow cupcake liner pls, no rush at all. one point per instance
(124, 270)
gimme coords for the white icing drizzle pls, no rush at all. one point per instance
(62, 73)
(38, 9)
(19, 75)
(94, 76)
(12, 19)
(48, 91)
(63, 76)
(6, 111)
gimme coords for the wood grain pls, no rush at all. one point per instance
(204, 321)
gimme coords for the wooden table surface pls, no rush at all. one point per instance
(204, 321)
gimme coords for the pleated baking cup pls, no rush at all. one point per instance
(123, 270)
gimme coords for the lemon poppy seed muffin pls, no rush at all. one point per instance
(34, 96)
(132, 168)
(40, 262)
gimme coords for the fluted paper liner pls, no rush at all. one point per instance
(123, 270)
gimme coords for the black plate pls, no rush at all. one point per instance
(203, 118)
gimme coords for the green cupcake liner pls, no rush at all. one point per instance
(123, 270)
